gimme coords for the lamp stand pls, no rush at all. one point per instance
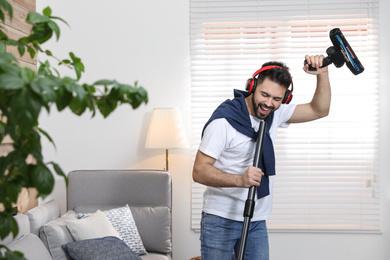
(166, 159)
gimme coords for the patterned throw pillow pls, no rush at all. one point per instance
(100, 249)
(123, 222)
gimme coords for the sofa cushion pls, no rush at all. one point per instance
(100, 249)
(95, 226)
(154, 226)
(122, 220)
(55, 234)
(43, 214)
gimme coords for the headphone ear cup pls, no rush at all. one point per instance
(287, 97)
(250, 84)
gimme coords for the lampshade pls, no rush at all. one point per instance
(166, 129)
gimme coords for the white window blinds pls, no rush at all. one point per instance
(326, 170)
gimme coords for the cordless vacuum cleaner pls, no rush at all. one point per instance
(341, 52)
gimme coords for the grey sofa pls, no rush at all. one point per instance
(147, 193)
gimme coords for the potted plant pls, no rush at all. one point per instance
(24, 93)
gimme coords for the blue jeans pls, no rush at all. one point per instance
(220, 236)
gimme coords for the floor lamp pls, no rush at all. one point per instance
(166, 131)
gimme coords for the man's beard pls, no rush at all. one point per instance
(256, 109)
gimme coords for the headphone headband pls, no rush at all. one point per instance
(251, 83)
(265, 68)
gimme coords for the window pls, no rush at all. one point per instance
(326, 170)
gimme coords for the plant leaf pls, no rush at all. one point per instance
(7, 7)
(3, 36)
(14, 255)
(7, 57)
(10, 82)
(46, 134)
(25, 108)
(31, 51)
(34, 17)
(44, 87)
(12, 191)
(14, 227)
(21, 49)
(2, 132)
(42, 179)
(5, 225)
(52, 25)
(2, 47)
(80, 91)
(59, 18)
(59, 171)
(64, 98)
(104, 82)
(106, 105)
(10, 68)
(77, 106)
(4, 163)
(28, 74)
(77, 65)
(47, 11)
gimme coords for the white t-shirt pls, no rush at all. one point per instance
(234, 153)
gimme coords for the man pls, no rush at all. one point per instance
(225, 157)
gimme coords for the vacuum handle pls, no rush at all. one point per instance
(250, 202)
(326, 62)
(259, 143)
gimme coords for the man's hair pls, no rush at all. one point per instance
(281, 75)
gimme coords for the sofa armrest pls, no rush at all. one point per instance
(23, 226)
(27, 243)
(31, 246)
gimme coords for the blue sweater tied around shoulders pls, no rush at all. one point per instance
(236, 113)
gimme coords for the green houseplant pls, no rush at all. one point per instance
(23, 95)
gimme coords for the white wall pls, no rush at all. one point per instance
(148, 41)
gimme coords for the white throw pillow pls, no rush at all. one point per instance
(122, 220)
(95, 226)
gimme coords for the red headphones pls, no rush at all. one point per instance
(251, 84)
